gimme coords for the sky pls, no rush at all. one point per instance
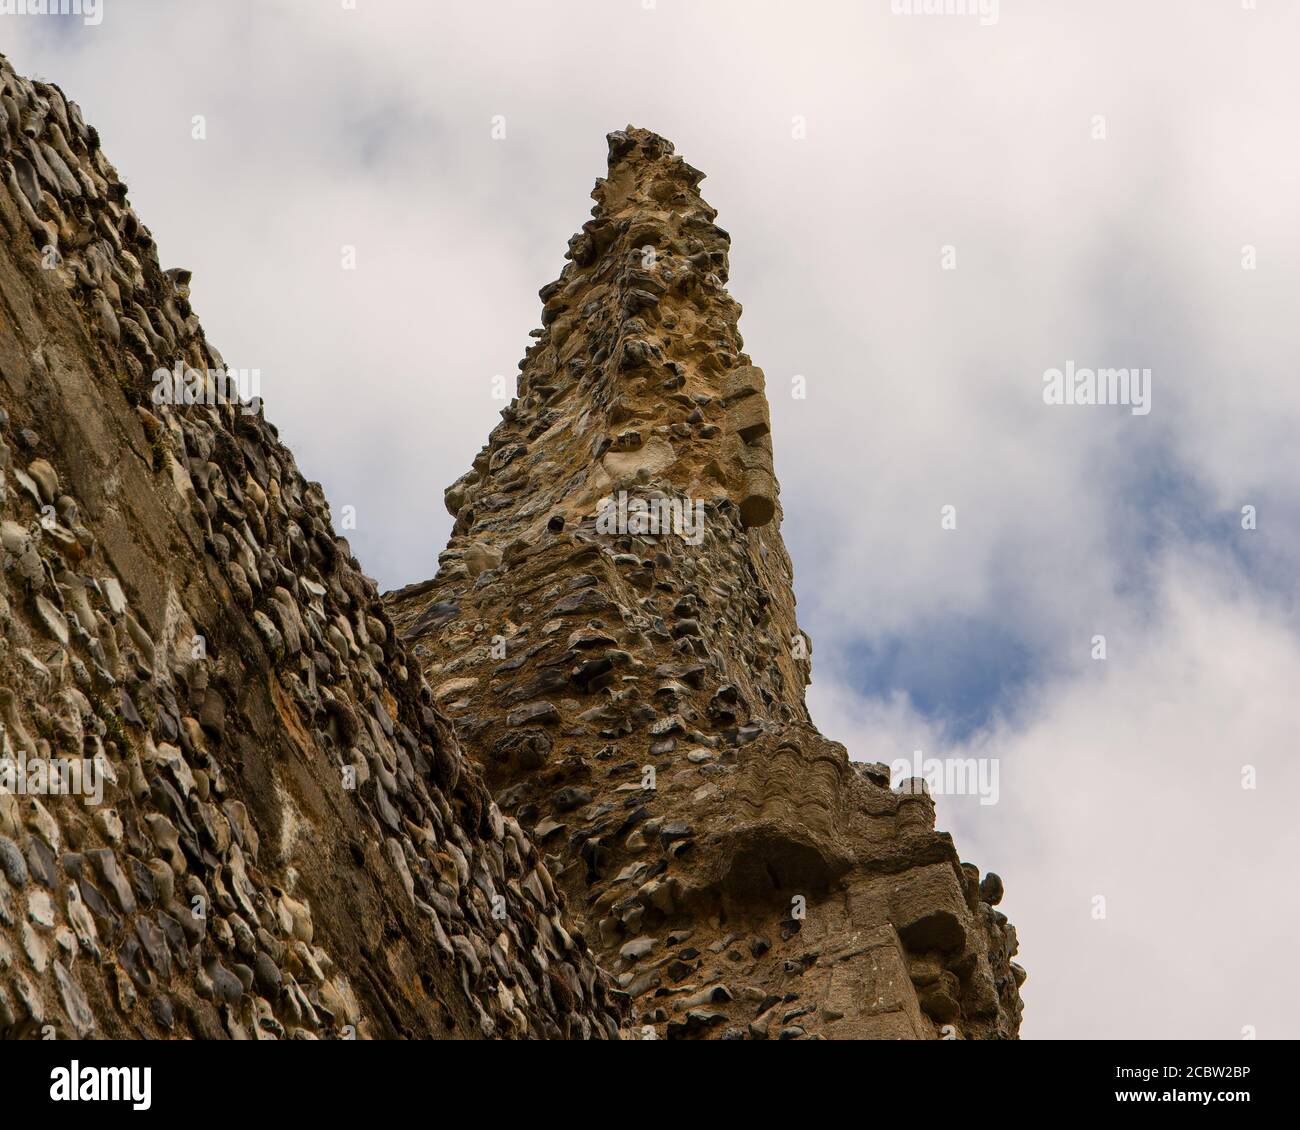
(928, 214)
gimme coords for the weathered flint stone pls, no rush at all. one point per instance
(181, 609)
(635, 692)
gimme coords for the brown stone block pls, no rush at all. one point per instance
(758, 499)
(743, 382)
(874, 994)
(928, 909)
(748, 418)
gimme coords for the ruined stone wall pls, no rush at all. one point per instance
(289, 841)
(635, 696)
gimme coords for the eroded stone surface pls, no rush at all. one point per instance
(289, 842)
(636, 699)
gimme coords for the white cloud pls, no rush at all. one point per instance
(1126, 781)
(371, 127)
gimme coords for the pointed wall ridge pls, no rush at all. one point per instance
(612, 630)
(267, 831)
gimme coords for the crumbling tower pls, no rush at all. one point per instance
(612, 629)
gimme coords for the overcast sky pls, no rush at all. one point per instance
(1098, 169)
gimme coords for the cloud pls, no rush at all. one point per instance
(1125, 781)
(371, 128)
